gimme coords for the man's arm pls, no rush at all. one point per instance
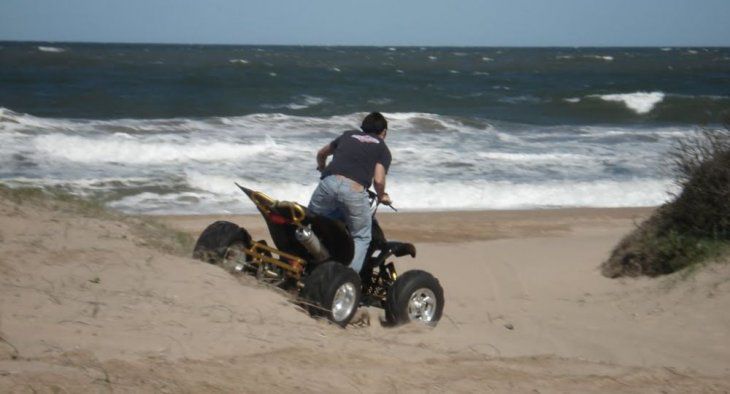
(379, 184)
(322, 157)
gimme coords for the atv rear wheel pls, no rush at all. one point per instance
(416, 296)
(332, 290)
(217, 238)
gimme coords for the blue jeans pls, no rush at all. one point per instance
(343, 199)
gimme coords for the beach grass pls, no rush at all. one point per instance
(694, 227)
(153, 233)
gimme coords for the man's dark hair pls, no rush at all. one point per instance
(374, 123)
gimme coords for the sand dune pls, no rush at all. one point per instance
(88, 303)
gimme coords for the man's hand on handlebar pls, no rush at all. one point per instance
(385, 199)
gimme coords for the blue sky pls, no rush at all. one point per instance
(375, 22)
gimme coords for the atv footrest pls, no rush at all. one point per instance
(261, 254)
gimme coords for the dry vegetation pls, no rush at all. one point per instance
(695, 226)
(152, 232)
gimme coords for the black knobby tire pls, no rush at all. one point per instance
(321, 290)
(216, 238)
(425, 289)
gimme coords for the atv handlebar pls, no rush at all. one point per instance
(374, 202)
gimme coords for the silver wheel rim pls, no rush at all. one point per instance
(344, 301)
(422, 305)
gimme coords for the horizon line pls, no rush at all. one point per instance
(358, 45)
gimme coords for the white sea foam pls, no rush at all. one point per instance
(305, 101)
(80, 185)
(536, 157)
(11, 120)
(572, 100)
(171, 203)
(299, 103)
(121, 148)
(225, 186)
(255, 125)
(600, 57)
(639, 102)
(507, 195)
(217, 184)
(189, 165)
(593, 57)
(424, 122)
(51, 49)
(219, 194)
(238, 61)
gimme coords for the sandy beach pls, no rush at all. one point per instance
(89, 304)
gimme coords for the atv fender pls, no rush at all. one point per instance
(401, 248)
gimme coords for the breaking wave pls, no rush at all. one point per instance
(219, 194)
(189, 165)
(51, 49)
(300, 103)
(124, 148)
(639, 102)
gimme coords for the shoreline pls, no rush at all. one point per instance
(451, 226)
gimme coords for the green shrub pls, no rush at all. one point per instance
(702, 170)
(695, 225)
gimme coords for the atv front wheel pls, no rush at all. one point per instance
(416, 296)
(332, 290)
(217, 238)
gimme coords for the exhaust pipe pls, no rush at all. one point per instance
(311, 242)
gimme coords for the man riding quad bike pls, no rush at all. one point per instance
(311, 261)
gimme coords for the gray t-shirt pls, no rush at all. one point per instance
(355, 156)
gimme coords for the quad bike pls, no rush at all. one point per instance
(311, 261)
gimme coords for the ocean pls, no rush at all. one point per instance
(168, 129)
